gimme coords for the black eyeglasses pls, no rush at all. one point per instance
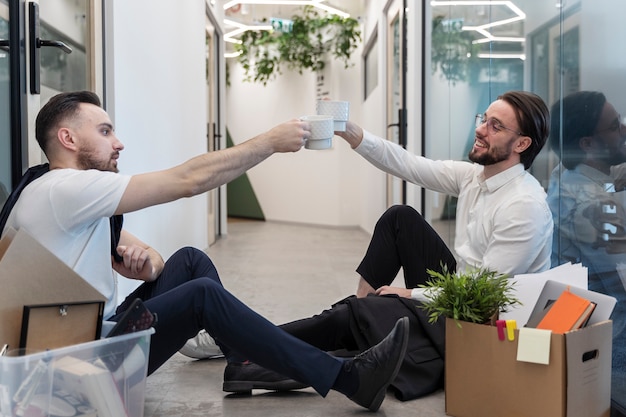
(616, 126)
(493, 125)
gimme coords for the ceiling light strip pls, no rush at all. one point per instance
(502, 56)
(232, 54)
(315, 3)
(499, 39)
(483, 28)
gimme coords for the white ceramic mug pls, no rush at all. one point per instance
(322, 131)
(339, 110)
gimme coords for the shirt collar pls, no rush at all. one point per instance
(493, 183)
(593, 174)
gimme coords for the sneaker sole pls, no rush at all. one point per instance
(243, 387)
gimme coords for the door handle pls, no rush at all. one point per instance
(401, 125)
(57, 44)
(4, 45)
(36, 43)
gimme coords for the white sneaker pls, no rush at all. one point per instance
(202, 346)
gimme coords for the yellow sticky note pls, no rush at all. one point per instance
(511, 325)
(534, 345)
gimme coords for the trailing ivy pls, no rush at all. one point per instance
(313, 36)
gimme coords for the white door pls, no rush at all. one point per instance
(71, 59)
(214, 62)
(52, 46)
(396, 91)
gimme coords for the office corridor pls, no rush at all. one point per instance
(283, 271)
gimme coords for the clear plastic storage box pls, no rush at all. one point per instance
(103, 378)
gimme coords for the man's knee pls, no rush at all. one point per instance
(401, 214)
(189, 252)
(207, 285)
(197, 261)
(401, 210)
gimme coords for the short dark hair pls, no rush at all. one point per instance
(533, 119)
(57, 109)
(575, 117)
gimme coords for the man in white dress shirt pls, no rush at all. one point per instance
(503, 224)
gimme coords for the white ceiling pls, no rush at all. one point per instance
(260, 14)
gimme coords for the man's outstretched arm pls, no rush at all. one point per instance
(211, 170)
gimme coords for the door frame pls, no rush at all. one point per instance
(395, 10)
(25, 105)
(17, 90)
(217, 132)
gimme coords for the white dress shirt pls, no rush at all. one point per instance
(503, 223)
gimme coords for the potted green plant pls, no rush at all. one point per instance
(312, 38)
(476, 295)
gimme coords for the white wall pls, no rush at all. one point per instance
(315, 187)
(335, 187)
(155, 75)
(373, 184)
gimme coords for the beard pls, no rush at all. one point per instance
(615, 157)
(492, 155)
(88, 160)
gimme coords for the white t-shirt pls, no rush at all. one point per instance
(68, 212)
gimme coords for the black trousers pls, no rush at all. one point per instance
(401, 239)
(188, 297)
(356, 324)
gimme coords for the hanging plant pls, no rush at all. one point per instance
(453, 52)
(311, 38)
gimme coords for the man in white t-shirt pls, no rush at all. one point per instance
(68, 209)
(503, 224)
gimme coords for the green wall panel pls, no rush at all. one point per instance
(241, 200)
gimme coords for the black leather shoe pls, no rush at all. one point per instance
(379, 365)
(242, 378)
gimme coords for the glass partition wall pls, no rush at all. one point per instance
(5, 100)
(570, 53)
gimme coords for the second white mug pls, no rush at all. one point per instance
(322, 131)
(339, 110)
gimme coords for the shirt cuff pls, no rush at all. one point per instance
(424, 294)
(367, 145)
(418, 294)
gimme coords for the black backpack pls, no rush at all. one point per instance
(31, 175)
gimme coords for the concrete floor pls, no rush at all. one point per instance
(284, 272)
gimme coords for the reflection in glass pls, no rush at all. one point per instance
(5, 107)
(478, 52)
(69, 22)
(587, 196)
(61, 71)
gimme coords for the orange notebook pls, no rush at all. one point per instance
(568, 312)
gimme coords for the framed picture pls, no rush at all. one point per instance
(50, 326)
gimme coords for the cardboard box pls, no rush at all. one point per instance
(38, 384)
(484, 378)
(31, 274)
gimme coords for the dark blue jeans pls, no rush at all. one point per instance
(189, 296)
